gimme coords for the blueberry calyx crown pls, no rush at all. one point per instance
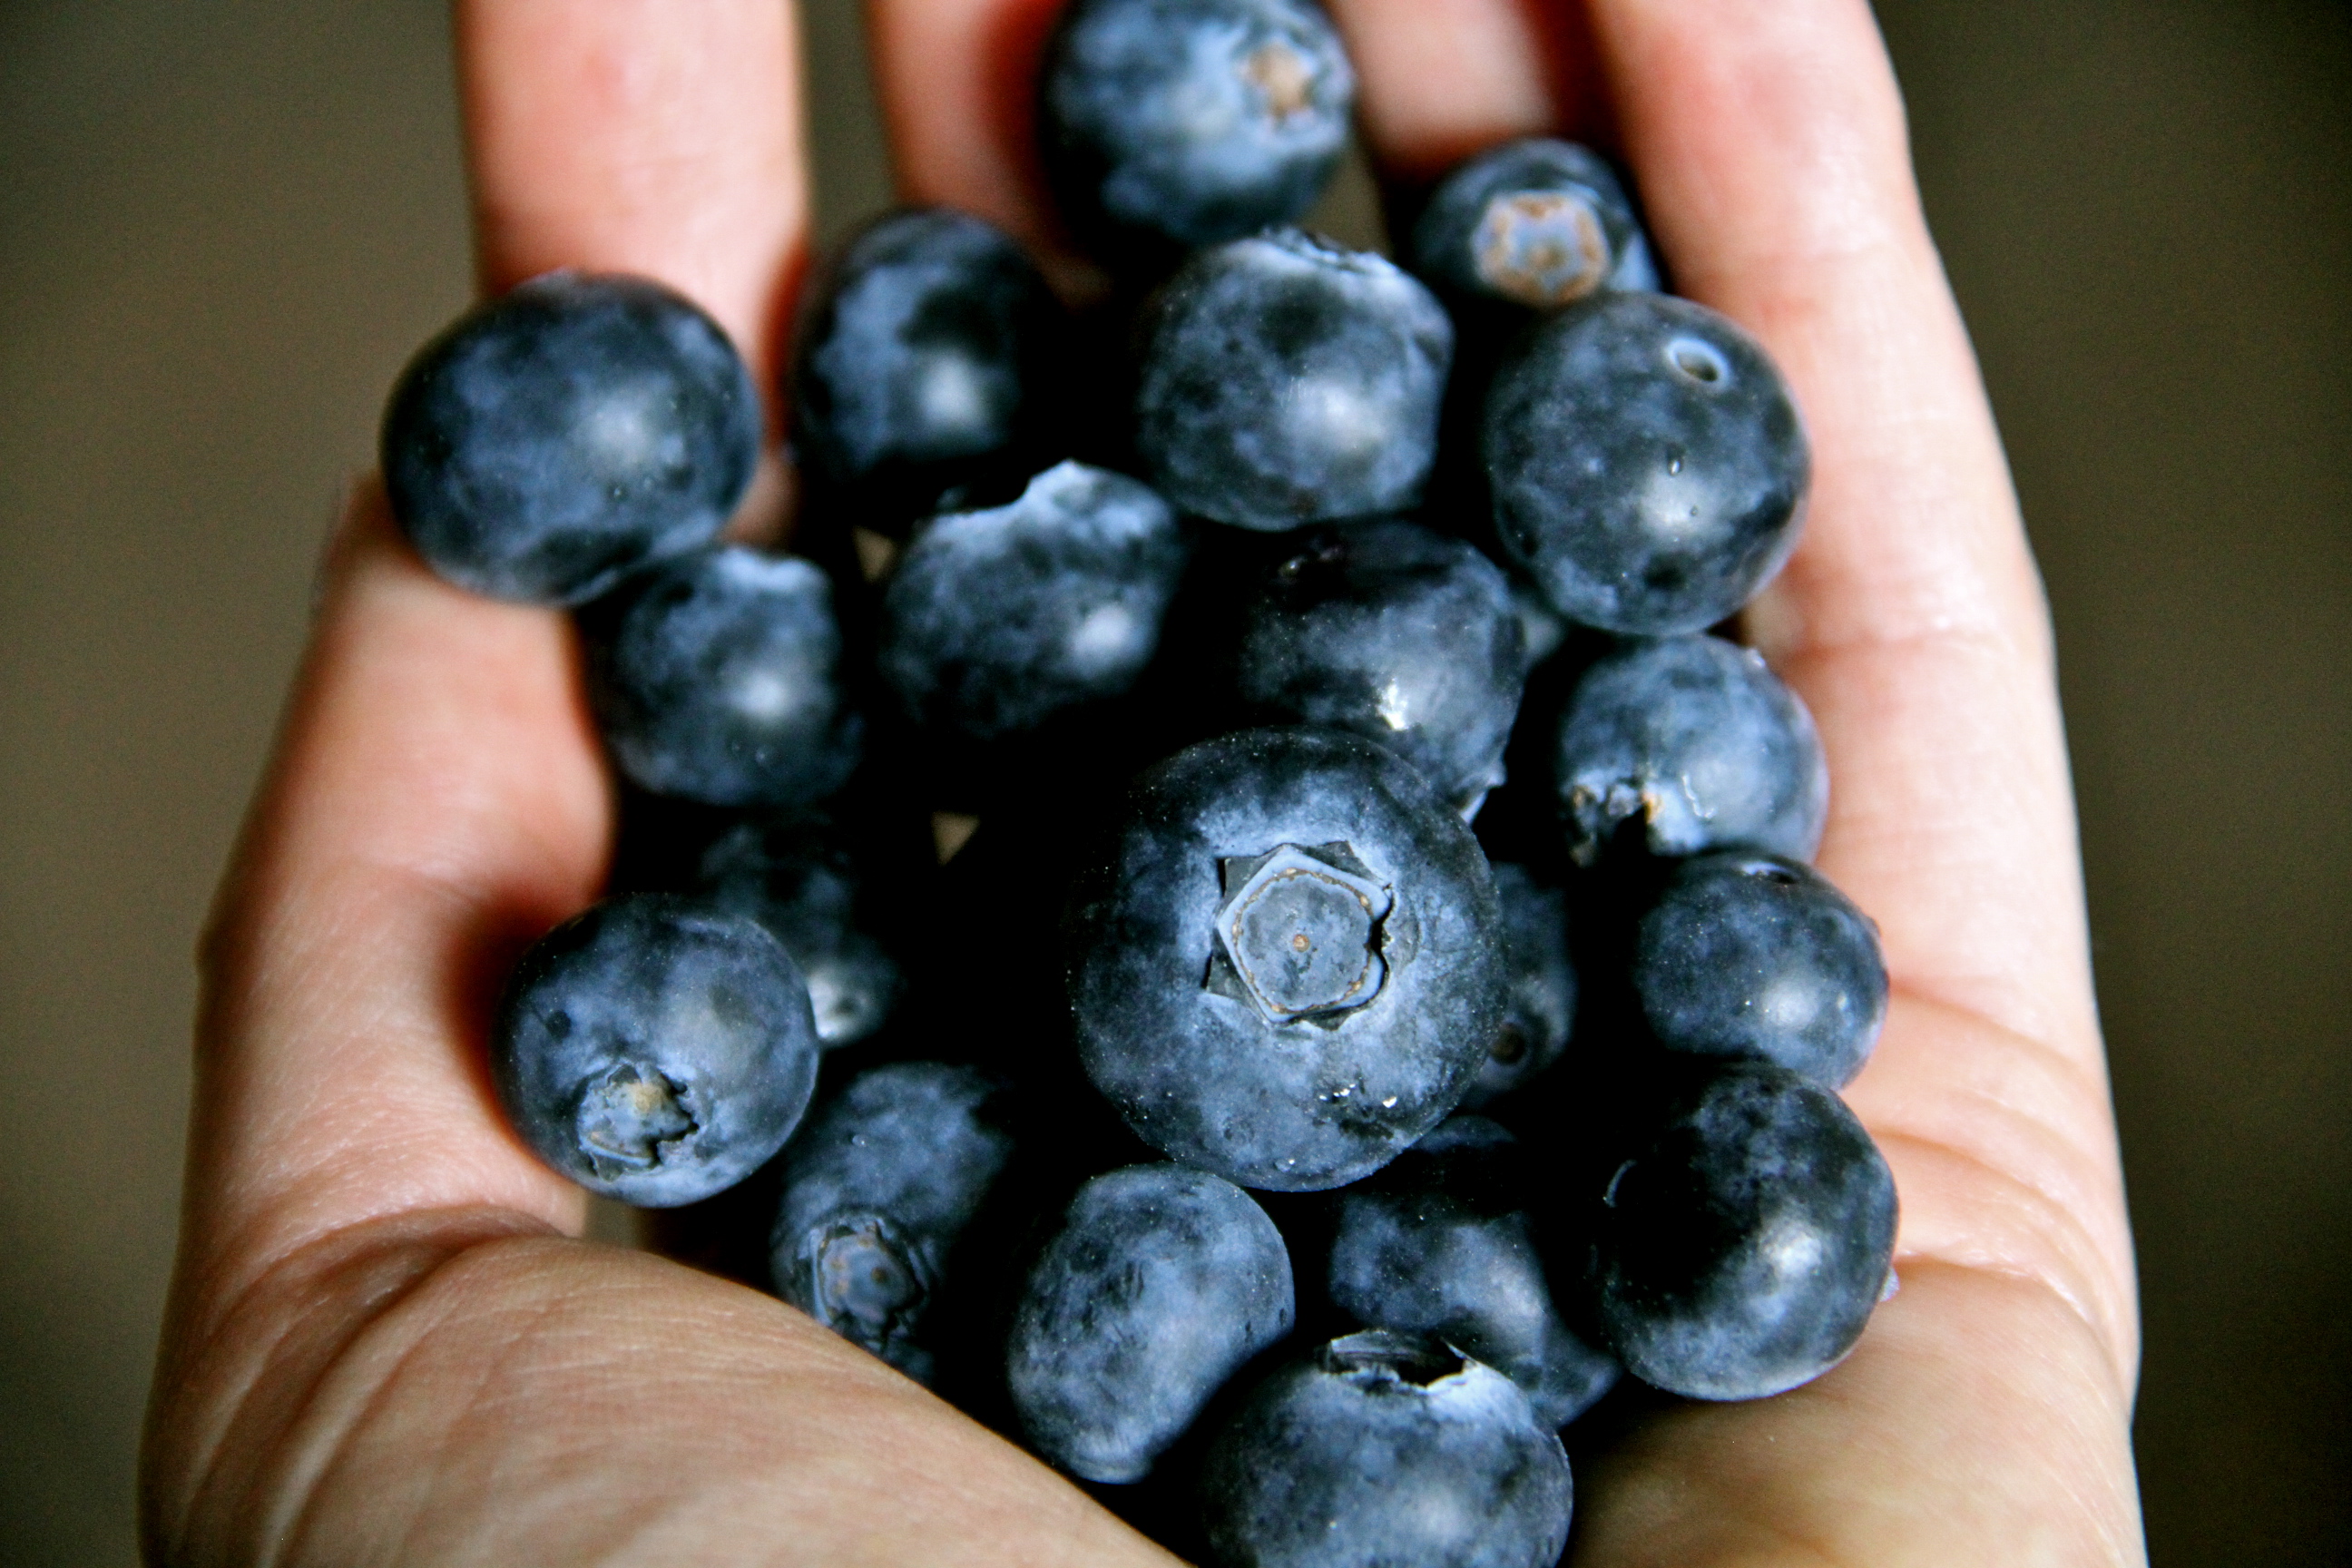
(1379, 1356)
(868, 1285)
(629, 1117)
(1301, 932)
(1543, 248)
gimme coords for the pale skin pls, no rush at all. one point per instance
(386, 1342)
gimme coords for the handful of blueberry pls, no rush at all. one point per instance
(1330, 746)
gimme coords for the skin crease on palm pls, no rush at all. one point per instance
(384, 1344)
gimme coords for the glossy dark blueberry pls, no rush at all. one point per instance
(1539, 1006)
(1740, 1246)
(996, 622)
(565, 434)
(1382, 1449)
(1402, 635)
(654, 1050)
(1286, 381)
(1534, 223)
(1646, 463)
(718, 679)
(1159, 1284)
(805, 878)
(1173, 123)
(877, 1190)
(1695, 740)
(1756, 955)
(1440, 1243)
(928, 369)
(1284, 966)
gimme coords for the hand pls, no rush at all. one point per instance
(385, 1341)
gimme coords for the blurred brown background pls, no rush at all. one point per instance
(224, 226)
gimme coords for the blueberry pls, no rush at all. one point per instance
(1284, 965)
(1540, 1005)
(997, 622)
(1159, 1284)
(718, 679)
(1173, 123)
(1646, 463)
(1740, 1246)
(1383, 1449)
(1695, 740)
(1440, 1243)
(655, 1051)
(928, 369)
(877, 1191)
(563, 436)
(1286, 381)
(1534, 223)
(1756, 955)
(805, 878)
(1404, 636)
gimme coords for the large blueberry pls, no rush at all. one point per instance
(1646, 463)
(1740, 1247)
(1533, 223)
(929, 369)
(1539, 1007)
(877, 1191)
(654, 1050)
(808, 880)
(1440, 1242)
(1402, 635)
(1756, 955)
(1173, 123)
(1284, 965)
(1696, 741)
(1160, 1283)
(564, 435)
(1286, 381)
(997, 622)
(718, 679)
(1382, 1449)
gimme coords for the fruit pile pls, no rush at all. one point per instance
(1226, 911)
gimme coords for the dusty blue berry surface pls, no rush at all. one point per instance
(1758, 955)
(1646, 463)
(1741, 1245)
(655, 1051)
(1540, 1000)
(567, 433)
(1403, 635)
(1284, 964)
(1693, 743)
(718, 677)
(1535, 222)
(1284, 380)
(1382, 1449)
(1159, 1283)
(806, 878)
(929, 370)
(1174, 124)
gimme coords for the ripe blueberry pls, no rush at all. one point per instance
(1533, 223)
(1540, 1005)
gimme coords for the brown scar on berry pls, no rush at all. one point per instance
(1277, 70)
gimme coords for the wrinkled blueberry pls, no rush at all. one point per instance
(1755, 955)
(996, 622)
(1646, 462)
(565, 434)
(1284, 965)
(1540, 1005)
(1440, 1243)
(1286, 381)
(1174, 124)
(718, 679)
(1535, 222)
(1383, 1449)
(928, 369)
(655, 1051)
(877, 1190)
(1740, 1247)
(1159, 1284)
(1695, 740)
(805, 878)
(1404, 636)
